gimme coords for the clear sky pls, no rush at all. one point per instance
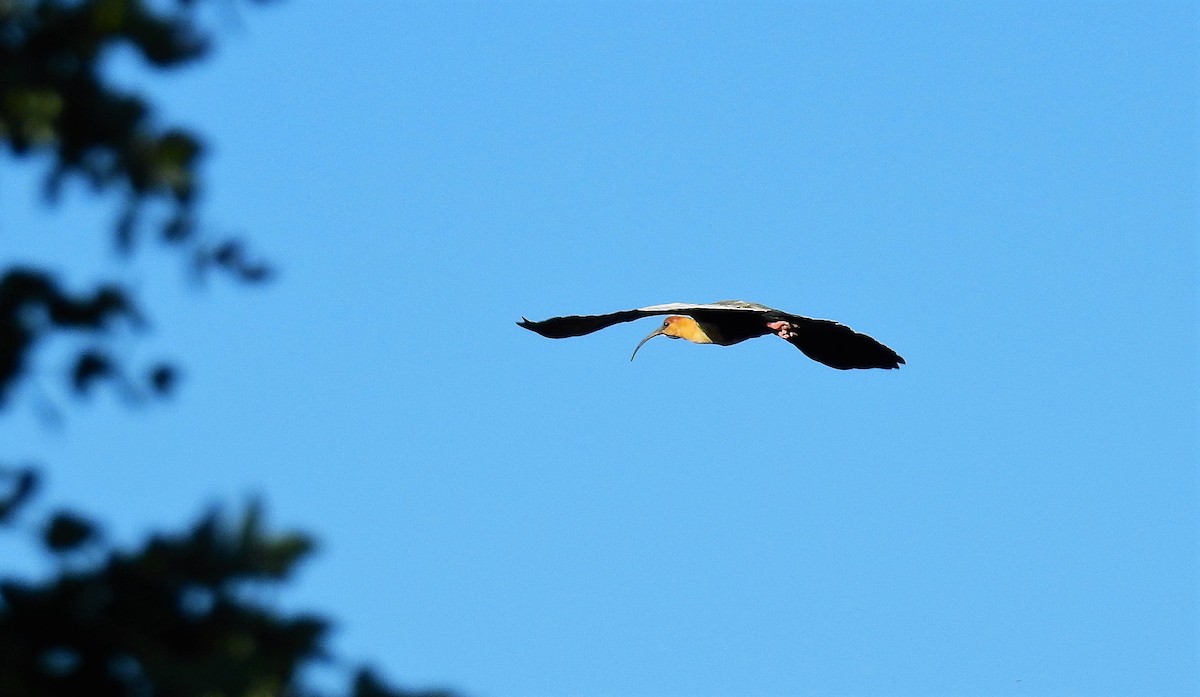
(1005, 193)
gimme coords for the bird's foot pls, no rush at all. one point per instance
(784, 330)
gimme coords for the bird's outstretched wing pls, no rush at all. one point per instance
(578, 325)
(822, 340)
(837, 345)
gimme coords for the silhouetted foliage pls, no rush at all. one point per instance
(55, 104)
(186, 614)
(33, 306)
(67, 531)
(18, 485)
(182, 616)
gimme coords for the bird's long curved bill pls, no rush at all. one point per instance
(653, 334)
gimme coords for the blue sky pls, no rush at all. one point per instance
(1005, 193)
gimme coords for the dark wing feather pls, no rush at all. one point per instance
(578, 325)
(839, 346)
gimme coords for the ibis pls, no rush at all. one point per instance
(728, 322)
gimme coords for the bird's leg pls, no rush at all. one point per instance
(784, 330)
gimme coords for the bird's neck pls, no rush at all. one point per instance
(690, 329)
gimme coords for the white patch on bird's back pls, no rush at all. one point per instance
(719, 305)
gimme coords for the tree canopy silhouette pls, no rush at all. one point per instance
(183, 614)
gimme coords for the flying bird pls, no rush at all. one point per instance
(728, 322)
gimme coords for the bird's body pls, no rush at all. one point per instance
(729, 322)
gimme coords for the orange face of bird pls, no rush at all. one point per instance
(677, 327)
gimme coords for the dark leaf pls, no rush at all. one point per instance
(67, 532)
(228, 253)
(163, 378)
(179, 228)
(367, 684)
(255, 273)
(90, 367)
(126, 228)
(20, 484)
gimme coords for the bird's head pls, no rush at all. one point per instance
(677, 327)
